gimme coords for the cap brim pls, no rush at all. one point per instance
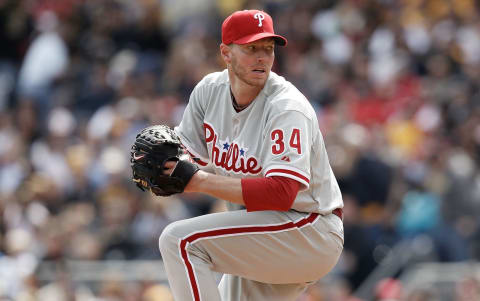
(279, 40)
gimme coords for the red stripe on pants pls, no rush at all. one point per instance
(228, 231)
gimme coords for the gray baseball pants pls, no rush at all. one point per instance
(264, 255)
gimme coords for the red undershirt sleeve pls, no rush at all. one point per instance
(269, 193)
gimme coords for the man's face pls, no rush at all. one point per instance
(252, 62)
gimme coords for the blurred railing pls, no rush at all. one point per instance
(414, 263)
(98, 271)
(401, 256)
(443, 281)
(439, 279)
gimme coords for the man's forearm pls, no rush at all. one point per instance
(229, 189)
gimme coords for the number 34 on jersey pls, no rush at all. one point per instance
(281, 138)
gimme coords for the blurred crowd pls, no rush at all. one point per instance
(396, 88)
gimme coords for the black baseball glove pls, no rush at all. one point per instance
(153, 147)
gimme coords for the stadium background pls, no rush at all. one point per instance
(396, 87)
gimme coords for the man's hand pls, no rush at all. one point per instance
(159, 162)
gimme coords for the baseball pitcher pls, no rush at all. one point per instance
(257, 142)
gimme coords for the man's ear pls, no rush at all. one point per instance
(226, 53)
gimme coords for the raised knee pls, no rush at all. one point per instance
(169, 238)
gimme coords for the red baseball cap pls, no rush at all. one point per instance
(247, 26)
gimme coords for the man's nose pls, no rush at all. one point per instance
(262, 55)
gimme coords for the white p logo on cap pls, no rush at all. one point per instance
(260, 17)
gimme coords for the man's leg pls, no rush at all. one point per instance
(235, 288)
(268, 247)
(179, 274)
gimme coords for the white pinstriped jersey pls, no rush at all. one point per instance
(276, 135)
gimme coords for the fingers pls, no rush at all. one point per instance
(169, 167)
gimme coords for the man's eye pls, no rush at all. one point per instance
(251, 48)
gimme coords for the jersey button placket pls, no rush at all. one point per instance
(236, 127)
